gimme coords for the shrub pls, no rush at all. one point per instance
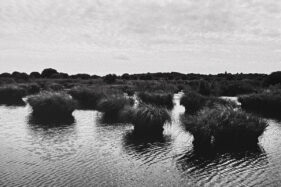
(31, 88)
(87, 98)
(47, 73)
(161, 99)
(268, 103)
(12, 95)
(273, 78)
(148, 119)
(52, 106)
(110, 78)
(227, 126)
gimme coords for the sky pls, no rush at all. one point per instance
(139, 36)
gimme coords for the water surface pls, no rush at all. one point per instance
(86, 152)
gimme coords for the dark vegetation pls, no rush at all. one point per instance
(159, 99)
(149, 119)
(210, 119)
(12, 95)
(224, 126)
(267, 103)
(55, 106)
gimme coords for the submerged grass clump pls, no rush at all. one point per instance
(52, 106)
(87, 98)
(224, 126)
(12, 95)
(159, 99)
(149, 119)
(268, 103)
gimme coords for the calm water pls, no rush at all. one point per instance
(88, 153)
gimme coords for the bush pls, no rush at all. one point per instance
(268, 103)
(52, 106)
(12, 95)
(273, 78)
(161, 99)
(110, 78)
(31, 88)
(227, 126)
(87, 98)
(148, 119)
(47, 73)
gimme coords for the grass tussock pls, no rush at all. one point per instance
(149, 119)
(87, 98)
(12, 95)
(159, 99)
(224, 126)
(268, 103)
(112, 106)
(194, 102)
(52, 105)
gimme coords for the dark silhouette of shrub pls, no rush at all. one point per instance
(86, 97)
(47, 73)
(18, 75)
(52, 106)
(204, 88)
(161, 99)
(31, 88)
(227, 126)
(5, 75)
(235, 88)
(110, 78)
(34, 75)
(12, 95)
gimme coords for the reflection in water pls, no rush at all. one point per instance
(215, 166)
(52, 140)
(149, 148)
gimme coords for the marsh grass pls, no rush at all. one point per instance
(87, 98)
(224, 126)
(158, 99)
(149, 119)
(194, 102)
(12, 95)
(113, 107)
(52, 106)
(266, 103)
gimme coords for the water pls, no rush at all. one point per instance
(88, 153)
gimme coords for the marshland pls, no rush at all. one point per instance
(153, 129)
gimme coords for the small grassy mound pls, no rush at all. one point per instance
(226, 126)
(268, 103)
(52, 106)
(87, 98)
(149, 119)
(159, 99)
(12, 95)
(113, 106)
(194, 102)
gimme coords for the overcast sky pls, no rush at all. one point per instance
(107, 36)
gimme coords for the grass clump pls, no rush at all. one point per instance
(12, 95)
(159, 99)
(87, 98)
(194, 102)
(112, 106)
(267, 103)
(52, 106)
(149, 119)
(224, 126)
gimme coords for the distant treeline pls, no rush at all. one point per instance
(254, 79)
